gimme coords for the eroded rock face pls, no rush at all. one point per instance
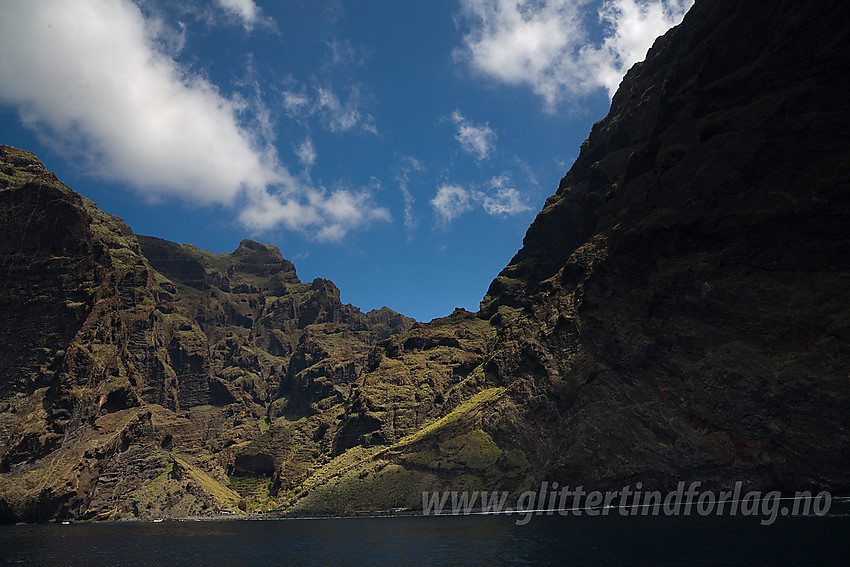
(104, 329)
(413, 378)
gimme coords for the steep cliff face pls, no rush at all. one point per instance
(92, 335)
(678, 311)
(693, 318)
(83, 309)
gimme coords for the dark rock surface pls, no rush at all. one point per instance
(681, 300)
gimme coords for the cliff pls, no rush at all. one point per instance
(691, 320)
(141, 376)
(678, 309)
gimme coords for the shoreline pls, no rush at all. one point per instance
(842, 509)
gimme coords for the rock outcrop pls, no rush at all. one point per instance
(678, 311)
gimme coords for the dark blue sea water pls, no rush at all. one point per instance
(468, 540)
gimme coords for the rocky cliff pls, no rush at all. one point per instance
(142, 377)
(680, 302)
(678, 311)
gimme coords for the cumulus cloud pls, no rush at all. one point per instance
(476, 139)
(349, 209)
(89, 73)
(92, 77)
(498, 197)
(544, 44)
(328, 215)
(266, 211)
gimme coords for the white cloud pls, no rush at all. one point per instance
(503, 199)
(343, 53)
(450, 202)
(341, 117)
(88, 73)
(306, 153)
(408, 166)
(266, 211)
(497, 197)
(90, 78)
(335, 115)
(476, 139)
(348, 210)
(543, 44)
(327, 215)
(247, 12)
(296, 103)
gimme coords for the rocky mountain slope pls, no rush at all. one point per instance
(140, 374)
(678, 311)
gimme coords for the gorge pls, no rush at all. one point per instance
(678, 311)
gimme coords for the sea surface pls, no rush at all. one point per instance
(443, 540)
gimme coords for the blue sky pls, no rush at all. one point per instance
(398, 148)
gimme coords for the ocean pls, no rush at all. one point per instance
(442, 540)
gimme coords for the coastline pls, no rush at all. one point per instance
(840, 508)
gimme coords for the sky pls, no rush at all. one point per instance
(398, 148)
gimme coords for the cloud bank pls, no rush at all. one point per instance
(545, 44)
(93, 79)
